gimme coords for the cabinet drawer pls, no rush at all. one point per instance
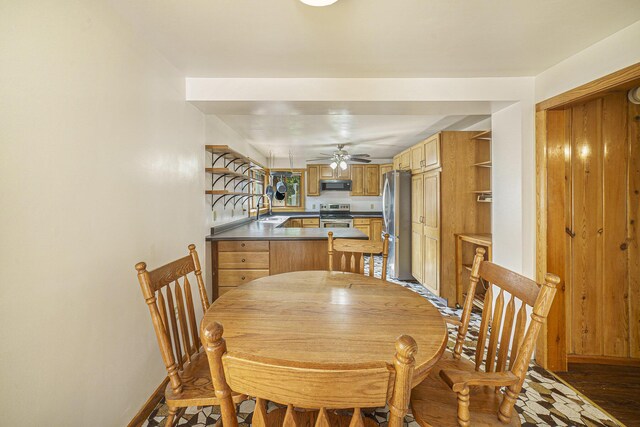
(243, 260)
(238, 277)
(361, 221)
(311, 222)
(243, 246)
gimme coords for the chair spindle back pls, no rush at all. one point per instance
(505, 341)
(321, 388)
(348, 254)
(172, 310)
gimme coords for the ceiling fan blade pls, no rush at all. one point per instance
(360, 155)
(360, 160)
(321, 158)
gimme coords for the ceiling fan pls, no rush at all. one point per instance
(341, 157)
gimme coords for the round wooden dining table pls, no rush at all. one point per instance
(320, 318)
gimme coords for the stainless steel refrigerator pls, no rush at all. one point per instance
(396, 209)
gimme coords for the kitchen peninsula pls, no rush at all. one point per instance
(255, 249)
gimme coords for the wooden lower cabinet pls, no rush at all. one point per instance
(294, 223)
(237, 262)
(364, 225)
(372, 227)
(376, 229)
(310, 222)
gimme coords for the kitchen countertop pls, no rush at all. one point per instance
(271, 230)
(313, 214)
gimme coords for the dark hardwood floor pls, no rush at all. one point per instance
(616, 389)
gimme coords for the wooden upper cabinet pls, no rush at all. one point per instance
(384, 169)
(405, 159)
(417, 158)
(402, 161)
(372, 180)
(326, 172)
(343, 174)
(357, 180)
(365, 180)
(431, 153)
(316, 173)
(313, 180)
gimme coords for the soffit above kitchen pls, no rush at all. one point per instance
(373, 38)
(306, 130)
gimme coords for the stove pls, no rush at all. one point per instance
(335, 216)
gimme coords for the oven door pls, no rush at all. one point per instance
(336, 223)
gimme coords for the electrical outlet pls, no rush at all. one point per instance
(314, 206)
(371, 205)
(214, 215)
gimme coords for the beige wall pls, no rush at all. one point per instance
(219, 133)
(617, 51)
(101, 166)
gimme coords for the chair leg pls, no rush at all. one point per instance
(171, 417)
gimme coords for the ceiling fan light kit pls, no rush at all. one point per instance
(341, 157)
(318, 3)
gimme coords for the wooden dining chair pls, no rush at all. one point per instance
(310, 395)
(348, 254)
(456, 392)
(174, 321)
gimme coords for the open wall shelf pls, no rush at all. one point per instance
(235, 171)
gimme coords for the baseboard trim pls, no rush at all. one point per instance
(149, 405)
(602, 360)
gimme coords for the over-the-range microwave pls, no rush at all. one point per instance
(335, 185)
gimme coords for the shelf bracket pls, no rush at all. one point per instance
(241, 201)
(231, 161)
(239, 166)
(218, 179)
(233, 196)
(216, 201)
(217, 158)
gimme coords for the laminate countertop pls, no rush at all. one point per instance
(315, 214)
(270, 230)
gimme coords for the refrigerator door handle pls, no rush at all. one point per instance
(385, 207)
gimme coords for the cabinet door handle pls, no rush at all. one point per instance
(242, 259)
(570, 232)
(243, 277)
(242, 244)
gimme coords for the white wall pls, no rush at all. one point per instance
(607, 56)
(102, 166)
(219, 133)
(359, 203)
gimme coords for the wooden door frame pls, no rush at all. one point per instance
(551, 352)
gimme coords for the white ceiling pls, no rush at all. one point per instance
(307, 129)
(365, 38)
(373, 38)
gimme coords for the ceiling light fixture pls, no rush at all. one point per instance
(318, 3)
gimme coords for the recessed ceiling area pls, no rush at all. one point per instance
(373, 38)
(308, 129)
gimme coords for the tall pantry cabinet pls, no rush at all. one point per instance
(445, 202)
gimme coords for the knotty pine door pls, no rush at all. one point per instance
(603, 315)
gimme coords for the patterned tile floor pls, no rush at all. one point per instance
(544, 401)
